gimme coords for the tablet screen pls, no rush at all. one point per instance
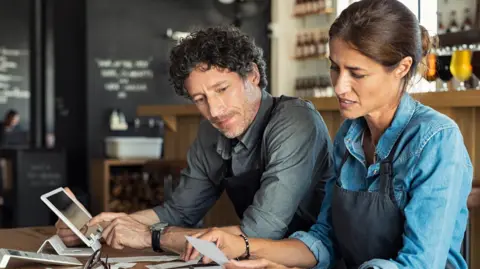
(72, 212)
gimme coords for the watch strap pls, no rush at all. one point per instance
(156, 241)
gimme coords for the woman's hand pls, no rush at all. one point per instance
(232, 245)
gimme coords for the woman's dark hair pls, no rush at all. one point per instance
(221, 47)
(9, 116)
(385, 31)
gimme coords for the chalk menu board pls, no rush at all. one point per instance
(125, 76)
(15, 59)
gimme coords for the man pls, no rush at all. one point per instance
(271, 155)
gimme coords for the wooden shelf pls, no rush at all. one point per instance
(310, 58)
(327, 11)
(168, 113)
(101, 176)
(450, 99)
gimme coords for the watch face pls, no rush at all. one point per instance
(158, 226)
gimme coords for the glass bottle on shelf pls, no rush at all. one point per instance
(312, 45)
(324, 41)
(296, 8)
(328, 4)
(453, 26)
(316, 6)
(441, 26)
(321, 4)
(306, 45)
(299, 47)
(467, 23)
(320, 44)
(311, 6)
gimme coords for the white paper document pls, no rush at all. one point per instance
(143, 259)
(208, 249)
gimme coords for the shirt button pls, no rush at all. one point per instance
(375, 171)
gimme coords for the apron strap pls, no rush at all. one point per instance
(344, 160)
(386, 173)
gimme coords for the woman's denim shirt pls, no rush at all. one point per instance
(432, 180)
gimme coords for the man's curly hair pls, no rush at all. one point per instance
(221, 47)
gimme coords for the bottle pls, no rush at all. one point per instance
(453, 27)
(316, 6)
(328, 5)
(467, 23)
(321, 4)
(301, 8)
(296, 8)
(313, 46)
(306, 45)
(299, 47)
(441, 28)
(300, 92)
(114, 120)
(317, 89)
(309, 7)
(320, 45)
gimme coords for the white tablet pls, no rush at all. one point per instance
(10, 258)
(74, 215)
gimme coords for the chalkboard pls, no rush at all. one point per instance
(34, 172)
(14, 59)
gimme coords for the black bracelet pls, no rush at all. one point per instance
(247, 247)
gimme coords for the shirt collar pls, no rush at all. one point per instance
(402, 117)
(253, 133)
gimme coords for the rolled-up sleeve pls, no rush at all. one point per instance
(194, 195)
(297, 144)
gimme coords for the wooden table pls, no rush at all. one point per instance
(30, 239)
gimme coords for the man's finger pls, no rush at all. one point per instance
(194, 255)
(206, 260)
(110, 238)
(105, 217)
(188, 251)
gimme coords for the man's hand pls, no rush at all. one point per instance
(123, 231)
(253, 264)
(68, 237)
(231, 244)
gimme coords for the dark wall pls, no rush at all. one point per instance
(121, 32)
(14, 58)
(70, 88)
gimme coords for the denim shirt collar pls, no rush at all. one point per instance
(402, 117)
(253, 133)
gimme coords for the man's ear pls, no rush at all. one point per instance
(254, 75)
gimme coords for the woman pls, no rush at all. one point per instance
(9, 125)
(403, 173)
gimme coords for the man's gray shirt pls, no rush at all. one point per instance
(298, 162)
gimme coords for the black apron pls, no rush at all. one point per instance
(368, 225)
(241, 189)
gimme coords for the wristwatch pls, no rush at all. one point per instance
(157, 230)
